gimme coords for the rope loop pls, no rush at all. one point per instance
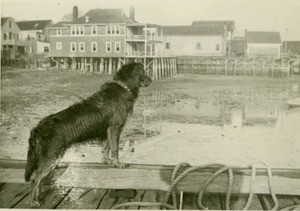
(176, 177)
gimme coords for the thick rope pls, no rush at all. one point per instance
(174, 180)
(148, 204)
(174, 173)
(210, 179)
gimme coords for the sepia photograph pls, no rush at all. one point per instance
(150, 104)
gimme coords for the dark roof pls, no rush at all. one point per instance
(192, 30)
(262, 37)
(60, 24)
(229, 24)
(99, 16)
(3, 20)
(292, 46)
(33, 25)
(106, 16)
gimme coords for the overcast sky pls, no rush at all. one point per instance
(266, 15)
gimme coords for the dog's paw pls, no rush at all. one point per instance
(119, 165)
(107, 161)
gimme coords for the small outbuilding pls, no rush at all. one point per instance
(260, 44)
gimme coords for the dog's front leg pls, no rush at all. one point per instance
(113, 141)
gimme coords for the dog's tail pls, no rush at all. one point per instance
(32, 161)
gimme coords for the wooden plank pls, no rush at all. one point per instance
(82, 198)
(128, 193)
(190, 201)
(239, 201)
(149, 196)
(283, 201)
(159, 180)
(122, 200)
(212, 201)
(107, 202)
(138, 197)
(155, 177)
(51, 197)
(12, 194)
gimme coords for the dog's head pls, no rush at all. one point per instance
(133, 74)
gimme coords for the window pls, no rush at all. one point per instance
(117, 47)
(28, 37)
(217, 47)
(73, 30)
(58, 32)
(198, 46)
(94, 29)
(46, 49)
(94, 46)
(107, 29)
(81, 30)
(167, 45)
(10, 36)
(108, 47)
(5, 36)
(58, 46)
(73, 46)
(10, 23)
(81, 46)
(113, 29)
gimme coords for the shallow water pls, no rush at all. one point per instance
(228, 124)
(232, 127)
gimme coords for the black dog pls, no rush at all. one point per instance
(101, 116)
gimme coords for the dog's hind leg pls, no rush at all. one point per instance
(40, 173)
(113, 137)
(105, 152)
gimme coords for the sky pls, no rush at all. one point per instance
(253, 15)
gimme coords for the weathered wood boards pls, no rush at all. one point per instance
(152, 177)
(17, 196)
(233, 66)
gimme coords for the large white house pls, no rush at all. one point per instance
(202, 38)
(34, 31)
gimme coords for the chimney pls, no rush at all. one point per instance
(132, 13)
(75, 13)
(87, 19)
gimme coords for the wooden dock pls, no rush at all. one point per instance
(96, 186)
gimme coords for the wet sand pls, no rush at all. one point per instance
(201, 119)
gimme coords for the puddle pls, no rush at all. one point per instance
(242, 127)
(234, 125)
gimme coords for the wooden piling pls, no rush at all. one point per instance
(162, 68)
(91, 65)
(101, 66)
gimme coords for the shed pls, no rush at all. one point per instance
(262, 44)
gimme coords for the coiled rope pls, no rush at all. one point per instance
(176, 178)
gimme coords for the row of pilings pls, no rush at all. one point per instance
(156, 68)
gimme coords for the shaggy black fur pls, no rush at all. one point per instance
(101, 116)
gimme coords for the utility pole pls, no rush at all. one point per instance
(285, 47)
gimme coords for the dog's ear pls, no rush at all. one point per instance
(138, 69)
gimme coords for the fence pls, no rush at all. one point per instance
(233, 66)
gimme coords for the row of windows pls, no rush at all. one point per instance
(198, 46)
(10, 36)
(94, 46)
(79, 30)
